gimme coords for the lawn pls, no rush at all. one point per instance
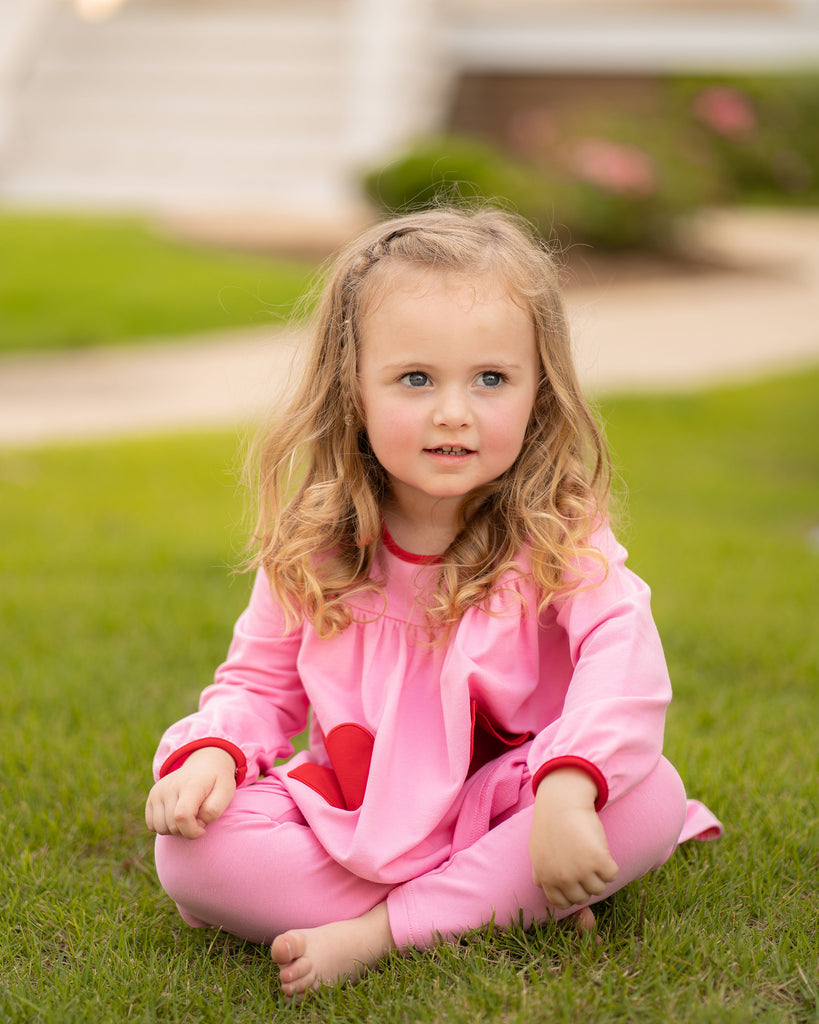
(71, 281)
(118, 602)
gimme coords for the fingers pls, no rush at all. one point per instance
(570, 892)
(172, 810)
(216, 802)
(185, 820)
(173, 818)
(185, 802)
(574, 894)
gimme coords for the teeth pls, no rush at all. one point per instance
(448, 449)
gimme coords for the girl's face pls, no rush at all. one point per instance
(448, 371)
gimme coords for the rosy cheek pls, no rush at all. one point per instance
(397, 419)
(391, 425)
(498, 429)
(503, 436)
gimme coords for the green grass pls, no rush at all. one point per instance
(116, 605)
(71, 281)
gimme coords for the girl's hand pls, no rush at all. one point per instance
(190, 798)
(571, 861)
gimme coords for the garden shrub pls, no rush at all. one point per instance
(760, 132)
(451, 169)
(609, 193)
(620, 181)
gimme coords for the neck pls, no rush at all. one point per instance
(430, 535)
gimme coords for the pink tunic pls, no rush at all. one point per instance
(415, 747)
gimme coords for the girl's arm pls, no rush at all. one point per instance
(612, 718)
(256, 703)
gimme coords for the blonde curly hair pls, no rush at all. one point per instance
(320, 490)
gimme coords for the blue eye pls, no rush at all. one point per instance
(491, 378)
(416, 379)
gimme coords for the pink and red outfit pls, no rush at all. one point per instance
(423, 760)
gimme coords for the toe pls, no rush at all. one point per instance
(299, 986)
(296, 970)
(288, 946)
(280, 951)
(584, 920)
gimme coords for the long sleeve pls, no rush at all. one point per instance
(257, 702)
(612, 720)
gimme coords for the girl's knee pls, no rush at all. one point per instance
(643, 827)
(204, 878)
(668, 802)
(190, 868)
(174, 868)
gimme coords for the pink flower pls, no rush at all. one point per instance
(532, 131)
(614, 167)
(726, 111)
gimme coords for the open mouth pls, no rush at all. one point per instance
(447, 449)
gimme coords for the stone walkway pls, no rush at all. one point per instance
(758, 314)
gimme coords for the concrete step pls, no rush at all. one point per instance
(310, 77)
(176, 102)
(239, 27)
(191, 114)
(185, 106)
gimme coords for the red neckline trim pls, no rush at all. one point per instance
(406, 556)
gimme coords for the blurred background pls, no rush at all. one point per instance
(175, 166)
(258, 120)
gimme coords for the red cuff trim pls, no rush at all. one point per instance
(570, 761)
(180, 756)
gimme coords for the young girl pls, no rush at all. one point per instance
(443, 597)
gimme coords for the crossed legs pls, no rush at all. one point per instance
(260, 873)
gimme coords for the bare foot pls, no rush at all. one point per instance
(310, 957)
(584, 921)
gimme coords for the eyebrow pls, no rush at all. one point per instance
(410, 364)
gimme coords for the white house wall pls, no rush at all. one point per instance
(649, 37)
(254, 104)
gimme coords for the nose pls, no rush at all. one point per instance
(452, 408)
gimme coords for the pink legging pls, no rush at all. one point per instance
(259, 870)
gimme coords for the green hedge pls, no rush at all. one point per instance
(620, 179)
